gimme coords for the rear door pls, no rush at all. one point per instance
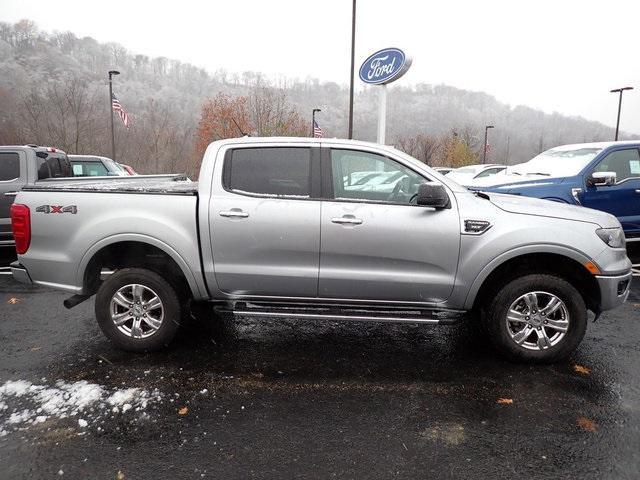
(13, 176)
(265, 221)
(623, 198)
(377, 244)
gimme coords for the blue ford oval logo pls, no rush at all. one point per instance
(384, 66)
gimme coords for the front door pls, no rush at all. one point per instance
(623, 198)
(376, 243)
(265, 222)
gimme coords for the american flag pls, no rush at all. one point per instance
(115, 104)
(317, 131)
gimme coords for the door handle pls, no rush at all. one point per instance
(13, 194)
(346, 220)
(234, 214)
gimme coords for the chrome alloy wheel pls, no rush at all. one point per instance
(137, 311)
(537, 320)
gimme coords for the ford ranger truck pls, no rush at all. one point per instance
(273, 229)
(604, 176)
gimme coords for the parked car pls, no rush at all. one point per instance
(470, 173)
(24, 165)
(128, 169)
(270, 230)
(443, 170)
(604, 176)
(95, 166)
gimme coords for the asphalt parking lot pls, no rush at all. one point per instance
(304, 399)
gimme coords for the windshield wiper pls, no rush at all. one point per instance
(480, 194)
(538, 173)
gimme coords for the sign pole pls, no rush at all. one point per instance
(382, 113)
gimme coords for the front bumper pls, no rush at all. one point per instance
(614, 290)
(20, 273)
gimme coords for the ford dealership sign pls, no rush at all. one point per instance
(384, 66)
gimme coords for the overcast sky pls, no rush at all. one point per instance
(561, 55)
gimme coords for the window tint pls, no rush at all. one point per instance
(9, 166)
(626, 164)
(368, 176)
(54, 167)
(269, 171)
(43, 168)
(89, 169)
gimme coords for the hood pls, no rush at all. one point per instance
(548, 208)
(506, 181)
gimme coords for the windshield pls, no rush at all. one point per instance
(557, 162)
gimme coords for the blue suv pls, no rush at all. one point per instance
(604, 176)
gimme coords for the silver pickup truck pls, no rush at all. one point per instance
(274, 228)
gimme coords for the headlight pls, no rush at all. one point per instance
(614, 237)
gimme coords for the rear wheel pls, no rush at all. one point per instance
(536, 318)
(138, 310)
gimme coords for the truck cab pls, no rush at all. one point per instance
(24, 165)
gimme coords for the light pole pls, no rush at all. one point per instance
(313, 121)
(353, 52)
(112, 73)
(619, 90)
(486, 132)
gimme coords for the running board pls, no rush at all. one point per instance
(426, 316)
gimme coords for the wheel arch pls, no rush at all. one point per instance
(562, 261)
(121, 249)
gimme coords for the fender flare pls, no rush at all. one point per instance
(571, 253)
(136, 237)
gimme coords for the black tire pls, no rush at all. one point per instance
(171, 307)
(497, 328)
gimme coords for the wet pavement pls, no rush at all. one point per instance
(305, 399)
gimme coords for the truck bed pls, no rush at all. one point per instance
(152, 184)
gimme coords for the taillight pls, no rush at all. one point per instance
(21, 226)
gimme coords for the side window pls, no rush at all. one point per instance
(625, 163)
(9, 166)
(89, 169)
(372, 177)
(54, 167)
(272, 171)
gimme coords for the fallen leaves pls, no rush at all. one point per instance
(13, 301)
(504, 401)
(587, 424)
(581, 369)
(183, 410)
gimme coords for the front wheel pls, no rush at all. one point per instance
(536, 318)
(138, 310)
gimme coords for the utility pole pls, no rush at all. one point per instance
(353, 53)
(619, 90)
(484, 153)
(313, 121)
(112, 73)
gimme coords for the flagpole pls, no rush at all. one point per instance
(113, 132)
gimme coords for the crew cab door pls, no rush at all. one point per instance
(623, 198)
(376, 243)
(265, 221)
(13, 176)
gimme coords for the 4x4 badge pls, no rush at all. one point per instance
(57, 209)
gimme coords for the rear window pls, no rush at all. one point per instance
(9, 166)
(54, 165)
(277, 171)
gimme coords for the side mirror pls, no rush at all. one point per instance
(433, 195)
(602, 179)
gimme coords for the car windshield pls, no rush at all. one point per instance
(557, 162)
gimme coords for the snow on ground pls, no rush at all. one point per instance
(23, 403)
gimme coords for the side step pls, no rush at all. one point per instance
(354, 313)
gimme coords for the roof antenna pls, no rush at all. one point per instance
(239, 129)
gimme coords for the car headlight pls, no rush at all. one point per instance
(614, 237)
